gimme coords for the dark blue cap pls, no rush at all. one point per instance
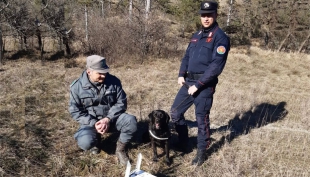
(208, 7)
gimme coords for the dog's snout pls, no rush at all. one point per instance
(157, 119)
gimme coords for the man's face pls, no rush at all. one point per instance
(208, 19)
(95, 76)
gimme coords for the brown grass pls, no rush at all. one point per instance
(263, 96)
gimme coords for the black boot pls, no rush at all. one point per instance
(200, 157)
(96, 148)
(182, 143)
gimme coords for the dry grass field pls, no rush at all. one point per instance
(259, 119)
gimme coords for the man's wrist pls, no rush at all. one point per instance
(92, 122)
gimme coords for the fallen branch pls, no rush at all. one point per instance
(303, 43)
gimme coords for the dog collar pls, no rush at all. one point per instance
(156, 136)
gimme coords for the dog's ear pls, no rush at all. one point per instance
(151, 117)
(167, 117)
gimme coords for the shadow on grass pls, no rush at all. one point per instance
(242, 124)
(25, 141)
(38, 144)
(166, 172)
(108, 143)
(10, 162)
(258, 116)
(25, 155)
(22, 54)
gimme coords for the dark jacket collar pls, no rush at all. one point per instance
(206, 30)
(86, 83)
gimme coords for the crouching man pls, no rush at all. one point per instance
(98, 101)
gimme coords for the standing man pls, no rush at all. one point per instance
(97, 102)
(203, 62)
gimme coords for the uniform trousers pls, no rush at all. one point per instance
(202, 99)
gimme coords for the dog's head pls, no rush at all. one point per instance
(159, 119)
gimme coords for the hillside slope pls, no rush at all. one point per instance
(259, 118)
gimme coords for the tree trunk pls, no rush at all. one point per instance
(102, 10)
(1, 48)
(38, 33)
(67, 47)
(42, 52)
(25, 43)
(86, 23)
(229, 13)
(130, 9)
(147, 8)
(21, 43)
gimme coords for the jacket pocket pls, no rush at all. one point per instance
(109, 98)
(206, 54)
(87, 99)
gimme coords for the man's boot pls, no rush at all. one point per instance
(96, 148)
(201, 156)
(120, 153)
(182, 144)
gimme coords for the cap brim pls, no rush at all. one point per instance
(102, 70)
(206, 11)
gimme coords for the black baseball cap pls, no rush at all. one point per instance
(208, 7)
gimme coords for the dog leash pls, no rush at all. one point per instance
(154, 136)
(187, 86)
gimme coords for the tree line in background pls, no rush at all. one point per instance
(279, 25)
(125, 29)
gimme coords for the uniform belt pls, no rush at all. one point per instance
(194, 76)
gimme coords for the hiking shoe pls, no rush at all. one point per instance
(94, 150)
(200, 157)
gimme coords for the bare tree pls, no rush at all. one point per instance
(54, 18)
(1, 48)
(1, 38)
(86, 22)
(17, 16)
(229, 12)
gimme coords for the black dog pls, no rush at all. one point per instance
(159, 132)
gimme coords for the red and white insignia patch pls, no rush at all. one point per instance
(210, 34)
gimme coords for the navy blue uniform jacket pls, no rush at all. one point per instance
(206, 54)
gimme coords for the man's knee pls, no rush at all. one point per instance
(132, 125)
(177, 118)
(127, 123)
(85, 142)
(86, 138)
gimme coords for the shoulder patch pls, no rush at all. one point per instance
(73, 82)
(221, 49)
